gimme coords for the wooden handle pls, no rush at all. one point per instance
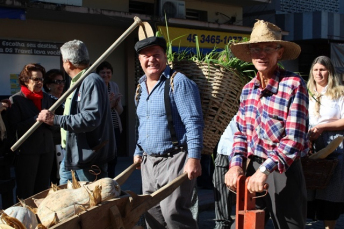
(162, 193)
(25, 136)
(123, 176)
(146, 202)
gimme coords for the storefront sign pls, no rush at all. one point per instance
(15, 54)
(182, 37)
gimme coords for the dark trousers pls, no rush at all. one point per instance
(33, 173)
(113, 162)
(222, 196)
(286, 201)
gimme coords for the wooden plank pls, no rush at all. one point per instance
(254, 219)
(152, 200)
(116, 218)
(123, 176)
(96, 217)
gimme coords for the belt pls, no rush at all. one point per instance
(257, 159)
(261, 160)
(169, 153)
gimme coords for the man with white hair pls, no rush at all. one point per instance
(272, 126)
(86, 126)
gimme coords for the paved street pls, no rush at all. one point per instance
(206, 200)
(206, 221)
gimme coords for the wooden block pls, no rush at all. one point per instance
(254, 219)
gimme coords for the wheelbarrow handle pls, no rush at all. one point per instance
(123, 176)
(265, 186)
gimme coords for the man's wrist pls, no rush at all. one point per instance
(264, 170)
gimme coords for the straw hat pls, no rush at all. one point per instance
(265, 32)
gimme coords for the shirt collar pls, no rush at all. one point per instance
(323, 91)
(166, 73)
(273, 82)
(75, 78)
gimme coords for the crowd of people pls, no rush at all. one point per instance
(281, 118)
(79, 135)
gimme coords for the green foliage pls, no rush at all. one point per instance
(224, 58)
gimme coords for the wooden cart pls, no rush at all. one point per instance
(118, 213)
(247, 217)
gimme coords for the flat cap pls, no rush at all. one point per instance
(150, 41)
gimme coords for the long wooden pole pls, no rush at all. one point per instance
(136, 23)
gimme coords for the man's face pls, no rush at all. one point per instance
(153, 61)
(265, 57)
(65, 66)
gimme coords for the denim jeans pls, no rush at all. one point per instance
(82, 174)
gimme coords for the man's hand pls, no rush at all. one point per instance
(257, 182)
(193, 168)
(232, 175)
(138, 159)
(46, 117)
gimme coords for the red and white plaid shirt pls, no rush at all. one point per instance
(272, 122)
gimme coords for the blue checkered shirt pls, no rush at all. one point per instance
(154, 137)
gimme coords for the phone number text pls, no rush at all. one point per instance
(213, 39)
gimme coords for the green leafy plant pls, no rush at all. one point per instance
(224, 57)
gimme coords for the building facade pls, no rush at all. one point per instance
(32, 32)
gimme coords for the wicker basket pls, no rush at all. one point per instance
(318, 172)
(220, 91)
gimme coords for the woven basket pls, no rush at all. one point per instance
(318, 172)
(220, 91)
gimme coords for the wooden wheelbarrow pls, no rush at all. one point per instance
(247, 217)
(117, 213)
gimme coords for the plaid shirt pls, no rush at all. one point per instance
(154, 137)
(273, 121)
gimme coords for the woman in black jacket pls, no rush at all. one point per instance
(35, 156)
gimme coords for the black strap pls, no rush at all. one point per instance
(137, 122)
(169, 111)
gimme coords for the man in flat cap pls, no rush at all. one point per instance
(272, 126)
(169, 135)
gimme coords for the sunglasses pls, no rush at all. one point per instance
(58, 81)
(36, 79)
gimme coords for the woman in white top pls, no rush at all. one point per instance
(326, 119)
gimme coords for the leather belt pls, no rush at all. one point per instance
(257, 159)
(170, 153)
(261, 160)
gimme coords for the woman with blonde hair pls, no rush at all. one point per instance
(326, 122)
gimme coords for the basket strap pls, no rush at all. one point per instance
(169, 111)
(137, 122)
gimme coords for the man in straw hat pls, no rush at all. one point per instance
(169, 142)
(272, 121)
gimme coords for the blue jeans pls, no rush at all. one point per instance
(82, 174)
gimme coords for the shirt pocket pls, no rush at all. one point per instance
(271, 130)
(275, 128)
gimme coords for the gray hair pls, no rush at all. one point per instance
(75, 52)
